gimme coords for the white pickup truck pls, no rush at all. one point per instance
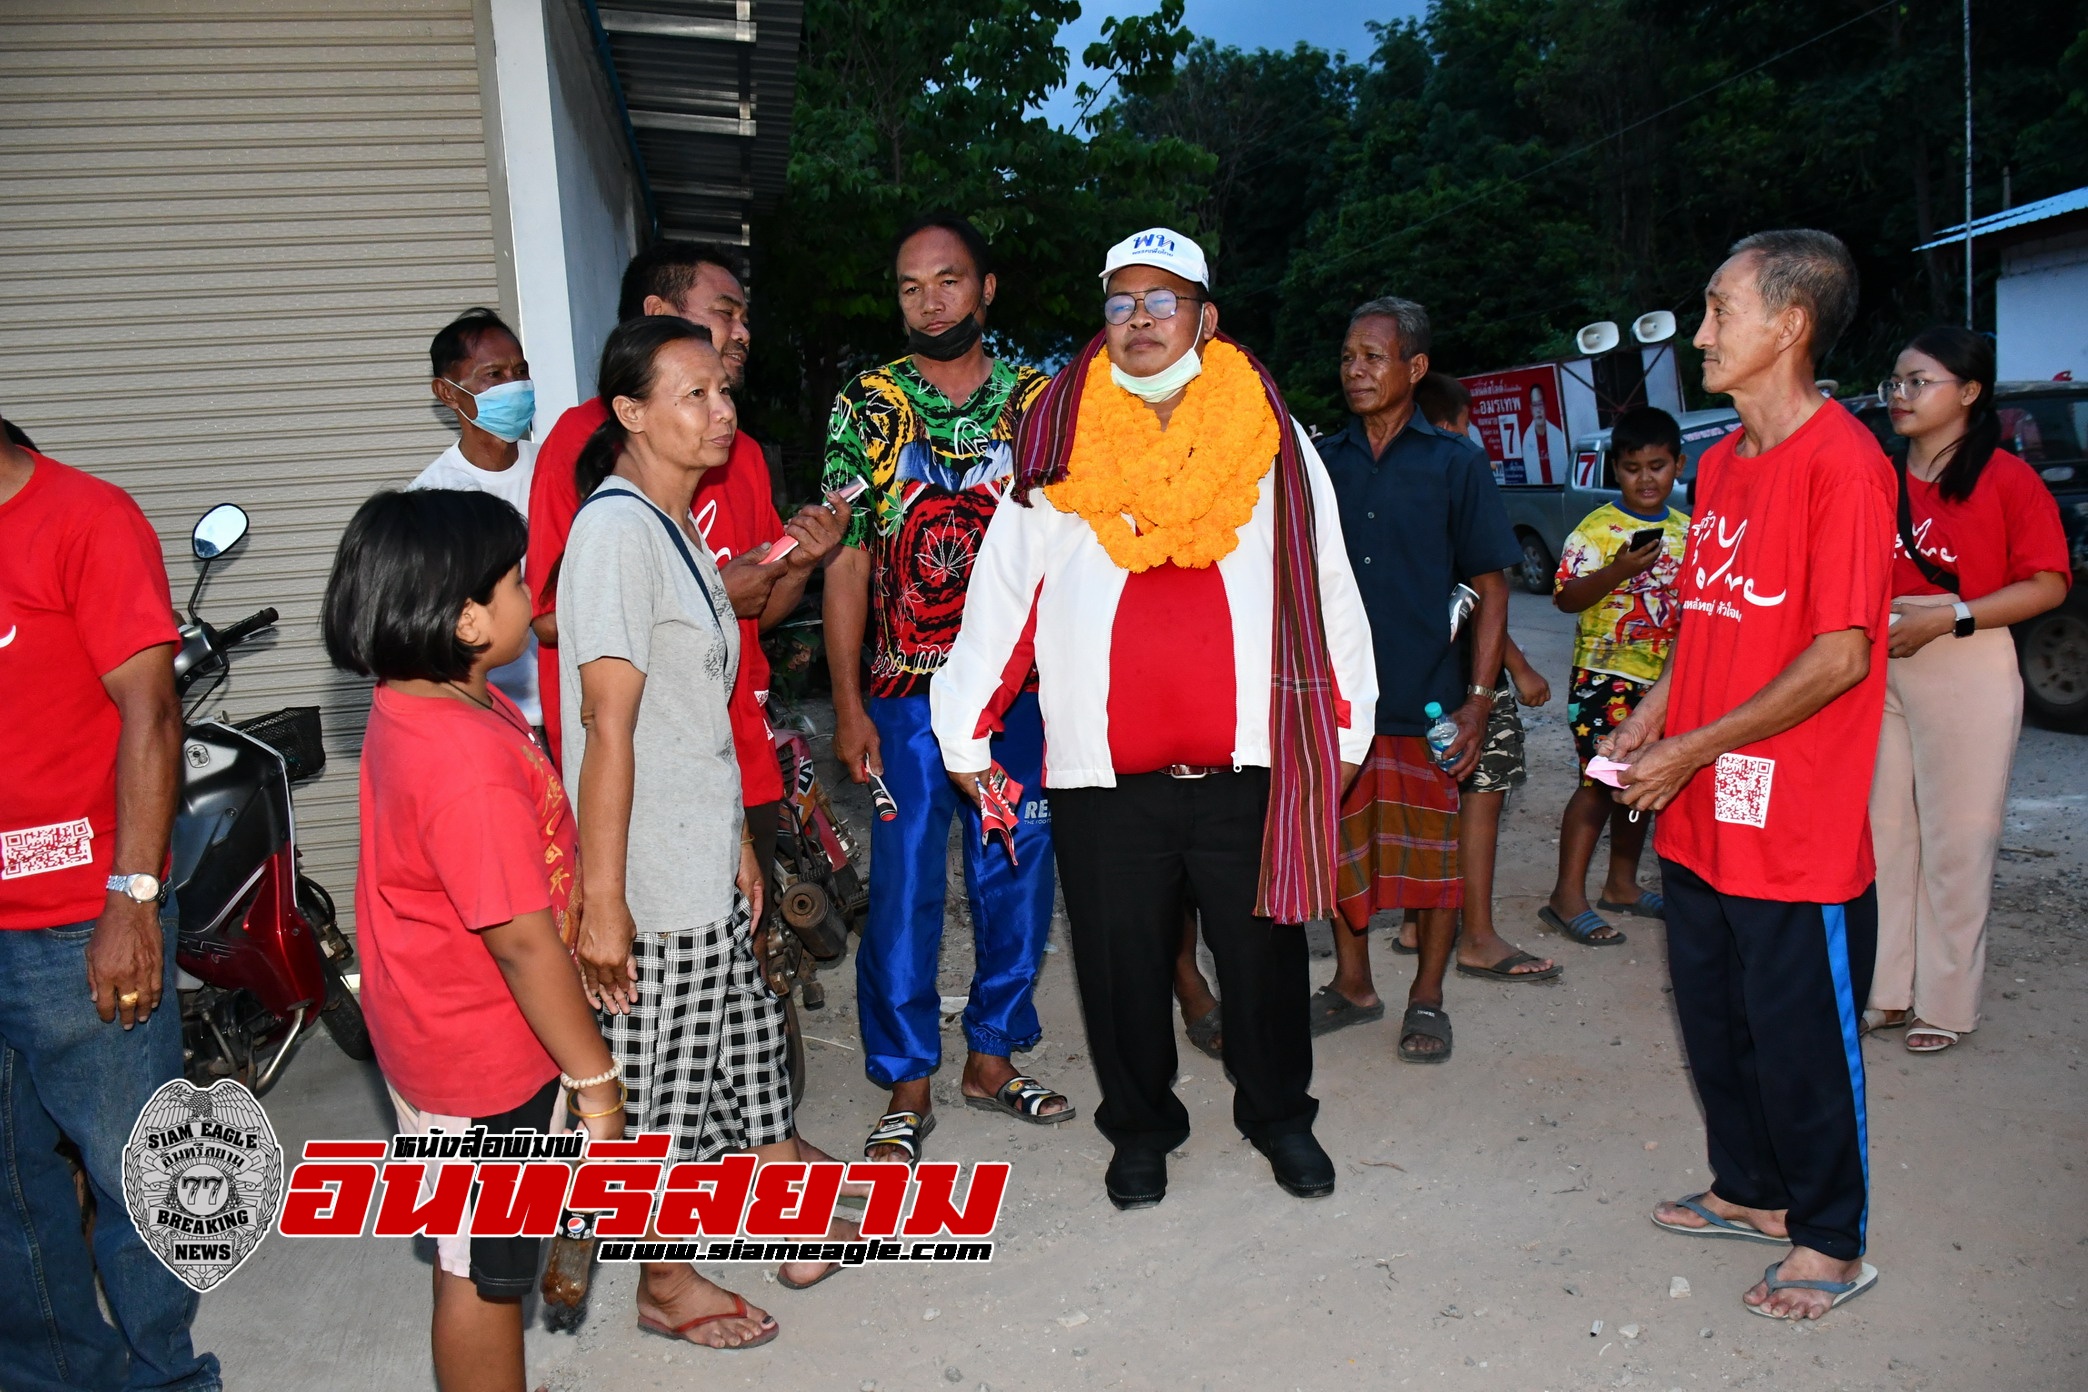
(1543, 514)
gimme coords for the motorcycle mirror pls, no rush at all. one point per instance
(1597, 339)
(1657, 327)
(219, 531)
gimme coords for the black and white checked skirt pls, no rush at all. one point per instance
(703, 1051)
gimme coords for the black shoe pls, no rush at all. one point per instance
(1301, 1167)
(1138, 1178)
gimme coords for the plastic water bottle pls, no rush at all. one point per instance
(1442, 733)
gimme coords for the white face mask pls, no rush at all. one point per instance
(1164, 383)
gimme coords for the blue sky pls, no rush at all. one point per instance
(1248, 24)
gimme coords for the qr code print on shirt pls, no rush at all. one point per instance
(1740, 789)
(40, 850)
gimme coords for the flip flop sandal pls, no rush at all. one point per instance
(1647, 905)
(906, 1130)
(1205, 1032)
(1582, 928)
(1429, 1023)
(1916, 1031)
(1504, 970)
(1719, 1227)
(1874, 1021)
(1023, 1098)
(1842, 1291)
(680, 1332)
(1402, 949)
(1330, 1010)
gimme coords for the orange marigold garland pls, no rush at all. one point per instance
(1189, 488)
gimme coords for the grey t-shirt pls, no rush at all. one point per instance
(625, 591)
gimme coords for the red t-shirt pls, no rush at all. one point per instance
(2007, 531)
(82, 591)
(1171, 671)
(465, 827)
(1784, 546)
(734, 511)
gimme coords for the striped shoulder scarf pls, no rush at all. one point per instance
(1297, 864)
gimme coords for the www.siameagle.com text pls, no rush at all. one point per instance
(639, 1206)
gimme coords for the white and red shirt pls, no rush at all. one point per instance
(82, 591)
(1785, 546)
(2007, 531)
(1136, 672)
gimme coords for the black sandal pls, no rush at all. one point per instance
(1023, 1098)
(1206, 1032)
(903, 1130)
(1429, 1022)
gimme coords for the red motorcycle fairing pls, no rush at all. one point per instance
(233, 890)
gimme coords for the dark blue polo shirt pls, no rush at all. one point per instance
(1417, 521)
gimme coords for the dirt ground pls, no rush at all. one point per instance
(1489, 1230)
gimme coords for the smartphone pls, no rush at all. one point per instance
(1644, 535)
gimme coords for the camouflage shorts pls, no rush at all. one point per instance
(1500, 765)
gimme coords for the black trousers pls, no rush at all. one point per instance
(1129, 859)
(1769, 994)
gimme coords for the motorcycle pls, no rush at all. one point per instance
(819, 896)
(261, 956)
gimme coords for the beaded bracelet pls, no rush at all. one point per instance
(572, 1084)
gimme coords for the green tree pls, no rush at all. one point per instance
(905, 107)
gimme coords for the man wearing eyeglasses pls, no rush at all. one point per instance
(1171, 557)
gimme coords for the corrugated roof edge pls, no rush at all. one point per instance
(2043, 208)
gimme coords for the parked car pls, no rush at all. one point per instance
(2046, 423)
(1543, 516)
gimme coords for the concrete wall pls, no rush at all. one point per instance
(573, 196)
(2041, 309)
(598, 188)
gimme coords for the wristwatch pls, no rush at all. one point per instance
(1477, 690)
(145, 889)
(1965, 622)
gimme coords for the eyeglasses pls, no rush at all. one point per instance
(1161, 304)
(1907, 388)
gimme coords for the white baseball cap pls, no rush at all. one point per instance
(1164, 248)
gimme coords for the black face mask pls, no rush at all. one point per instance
(952, 343)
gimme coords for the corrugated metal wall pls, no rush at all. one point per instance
(228, 229)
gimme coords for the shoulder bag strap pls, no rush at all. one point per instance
(1930, 571)
(674, 533)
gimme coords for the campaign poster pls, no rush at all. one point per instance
(1520, 415)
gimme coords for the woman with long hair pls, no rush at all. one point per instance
(648, 649)
(1980, 548)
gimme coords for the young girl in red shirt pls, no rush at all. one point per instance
(1980, 547)
(464, 889)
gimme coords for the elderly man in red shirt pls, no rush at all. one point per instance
(1756, 747)
(90, 738)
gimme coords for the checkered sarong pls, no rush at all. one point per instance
(1398, 834)
(703, 1051)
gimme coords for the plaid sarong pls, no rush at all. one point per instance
(1398, 834)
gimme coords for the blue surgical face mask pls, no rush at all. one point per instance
(505, 412)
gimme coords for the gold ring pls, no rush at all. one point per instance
(127, 998)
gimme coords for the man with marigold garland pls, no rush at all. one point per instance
(1170, 559)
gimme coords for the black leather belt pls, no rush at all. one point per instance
(1194, 770)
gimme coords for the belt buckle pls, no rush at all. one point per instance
(1186, 771)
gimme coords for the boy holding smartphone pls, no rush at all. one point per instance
(1618, 572)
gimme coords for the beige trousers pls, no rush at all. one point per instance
(1952, 714)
